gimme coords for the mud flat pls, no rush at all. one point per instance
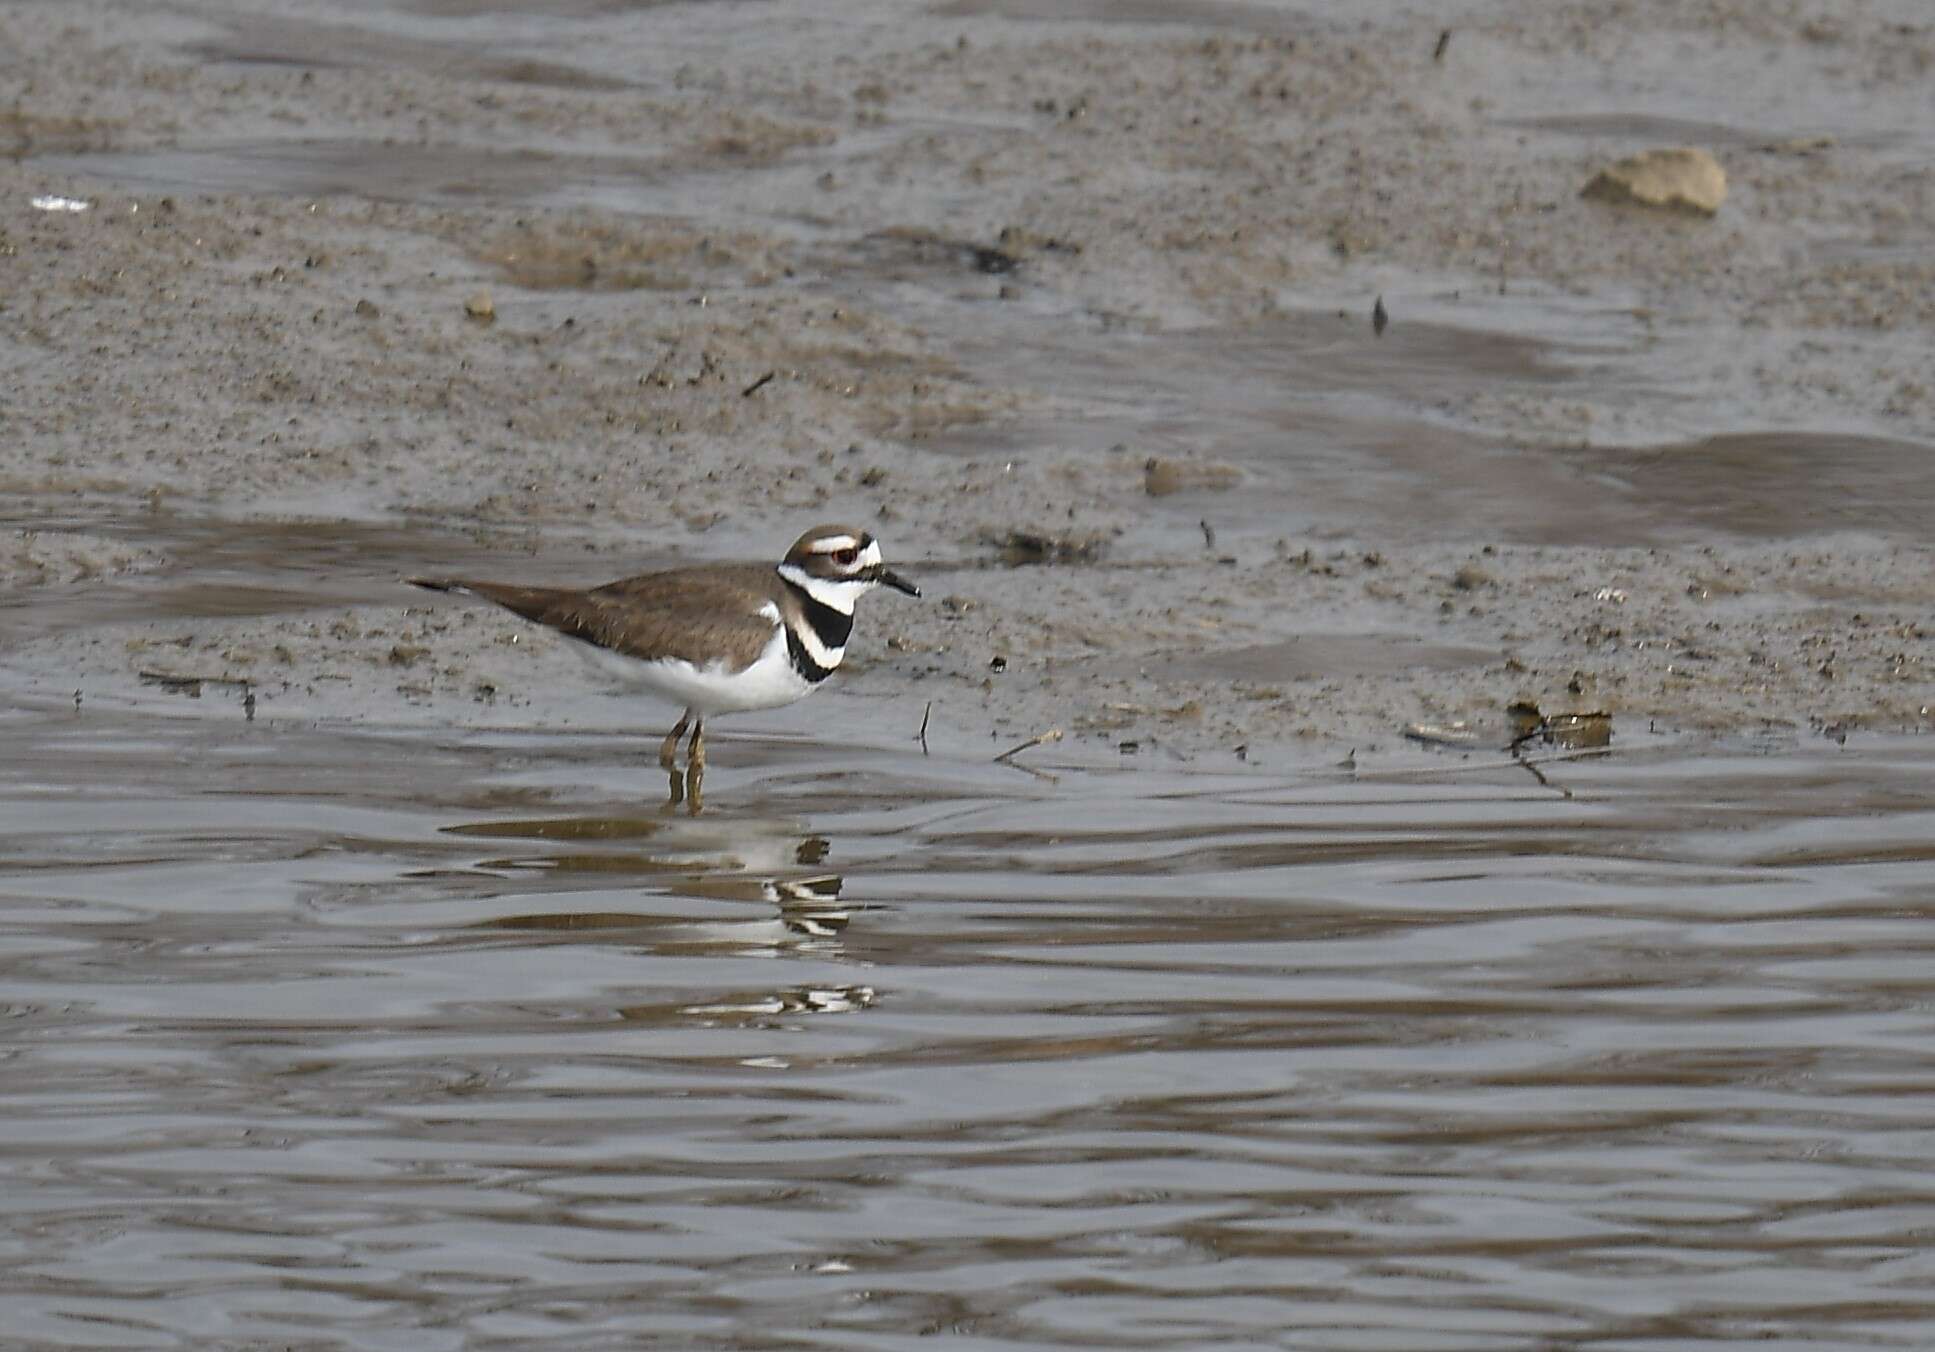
(1072, 307)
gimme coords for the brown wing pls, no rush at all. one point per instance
(695, 614)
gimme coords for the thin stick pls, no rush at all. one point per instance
(1052, 735)
(757, 385)
(1541, 728)
(1399, 776)
(1535, 772)
(923, 726)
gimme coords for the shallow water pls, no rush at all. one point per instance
(338, 1039)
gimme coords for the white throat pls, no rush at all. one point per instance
(834, 593)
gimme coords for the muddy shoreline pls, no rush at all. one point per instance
(967, 276)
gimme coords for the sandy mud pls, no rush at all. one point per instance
(1072, 305)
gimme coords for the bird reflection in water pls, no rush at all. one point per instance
(765, 860)
(687, 787)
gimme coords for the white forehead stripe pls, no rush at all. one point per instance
(833, 544)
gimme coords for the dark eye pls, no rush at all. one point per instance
(846, 558)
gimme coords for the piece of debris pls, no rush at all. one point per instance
(1569, 731)
(994, 262)
(1539, 775)
(1524, 718)
(1458, 734)
(1380, 317)
(1023, 547)
(1444, 44)
(481, 308)
(1052, 735)
(758, 385)
(1682, 179)
(1577, 732)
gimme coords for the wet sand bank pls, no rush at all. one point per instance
(1100, 279)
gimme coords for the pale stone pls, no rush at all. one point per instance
(1676, 180)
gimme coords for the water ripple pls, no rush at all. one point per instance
(1418, 1063)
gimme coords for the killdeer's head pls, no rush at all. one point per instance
(837, 565)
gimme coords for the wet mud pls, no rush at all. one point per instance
(635, 293)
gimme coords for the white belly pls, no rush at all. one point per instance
(766, 684)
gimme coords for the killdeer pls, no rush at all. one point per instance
(719, 638)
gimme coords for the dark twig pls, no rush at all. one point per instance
(923, 726)
(758, 385)
(1538, 729)
(1539, 775)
